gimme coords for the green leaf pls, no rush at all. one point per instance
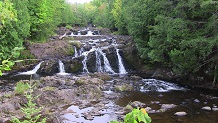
(1, 73)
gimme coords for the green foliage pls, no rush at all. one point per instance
(181, 35)
(7, 12)
(22, 25)
(31, 111)
(7, 64)
(21, 87)
(136, 116)
(67, 16)
(44, 17)
(19, 20)
(118, 17)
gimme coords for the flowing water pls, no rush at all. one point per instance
(122, 69)
(61, 69)
(75, 52)
(107, 67)
(190, 101)
(154, 93)
(31, 72)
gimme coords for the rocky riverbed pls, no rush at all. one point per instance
(92, 97)
(101, 98)
(56, 93)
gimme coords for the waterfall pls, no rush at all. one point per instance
(81, 51)
(61, 68)
(122, 69)
(107, 66)
(85, 54)
(85, 69)
(89, 33)
(79, 33)
(98, 61)
(31, 72)
(158, 85)
(75, 52)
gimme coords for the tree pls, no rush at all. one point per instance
(7, 16)
(118, 17)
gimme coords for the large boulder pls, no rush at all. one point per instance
(49, 67)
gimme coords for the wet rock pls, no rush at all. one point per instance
(128, 108)
(83, 32)
(155, 102)
(165, 107)
(182, 113)
(206, 108)
(168, 106)
(196, 100)
(76, 115)
(137, 104)
(163, 74)
(88, 116)
(214, 109)
(87, 47)
(124, 87)
(96, 32)
(70, 111)
(205, 102)
(75, 65)
(49, 67)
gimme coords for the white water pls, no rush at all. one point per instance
(31, 72)
(61, 69)
(79, 33)
(81, 51)
(98, 62)
(85, 54)
(75, 52)
(122, 69)
(107, 66)
(89, 33)
(159, 86)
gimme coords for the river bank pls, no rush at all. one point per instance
(97, 76)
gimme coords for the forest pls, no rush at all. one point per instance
(178, 34)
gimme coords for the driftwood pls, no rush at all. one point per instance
(61, 37)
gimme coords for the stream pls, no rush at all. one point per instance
(155, 94)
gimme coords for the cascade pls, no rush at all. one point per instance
(98, 61)
(79, 33)
(107, 66)
(61, 68)
(75, 52)
(85, 54)
(89, 33)
(158, 85)
(31, 72)
(122, 69)
(81, 51)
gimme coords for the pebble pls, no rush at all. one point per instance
(196, 100)
(207, 108)
(182, 113)
(168, 106)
